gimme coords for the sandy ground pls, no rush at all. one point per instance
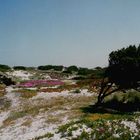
(23, 75)
(26, 119)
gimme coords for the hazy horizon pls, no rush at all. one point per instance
(66, 32)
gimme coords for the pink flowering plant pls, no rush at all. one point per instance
(34, 83)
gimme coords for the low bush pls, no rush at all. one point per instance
(5, 80)
(84, 71)
(49, 67)
(99, 130)
(4, 68)
(72, 69)
(19, 68)
(128, 102)
(47, 135)
(79, 78)
(77, 91)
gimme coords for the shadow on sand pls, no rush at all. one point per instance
(113, 108)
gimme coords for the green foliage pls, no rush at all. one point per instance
(72, 69)
(19, 68)
(5, 80)
(124, 67)
(4, 68)
(98, 73)
(124, 102)
(77, 91)
(100, 130)
(84, 71)
(48, 135)
(30, 68)
(50, 67)
(123, 72)
(79, 78)
(84, 136)
(67, 72)
(58, 68)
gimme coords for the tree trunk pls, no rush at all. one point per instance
(100, 100)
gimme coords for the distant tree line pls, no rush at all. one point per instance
(94, 73)
(4, 68)
(82, 72)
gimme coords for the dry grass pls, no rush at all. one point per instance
(51, 90)
(74, 114)
(26, 93)
(2, 90)
(52, 119)
(2, 86)
(7, 122)
(27, 122)
(69, 107)
(66, 106)
(96, 116)
(69, 87)
(4, 104)
(2, 94)
(26, 111)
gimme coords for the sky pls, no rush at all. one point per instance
(66, 32)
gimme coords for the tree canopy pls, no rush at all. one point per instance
(4, 67)
(72, 68)
(123, 71)
(19, 68)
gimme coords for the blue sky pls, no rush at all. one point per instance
(66, 32)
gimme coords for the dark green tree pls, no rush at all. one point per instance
(50, 67)
(19, 68)
(85, 71)
(6, 80)
(72, 69)
(4, 68)
(123, 72)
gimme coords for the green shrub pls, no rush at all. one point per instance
(79, 78)
(67, 72)
(49, 67)
(126, 102)
(72, 69)
(48, 135)
(19, 68)
(84, 136)
(5, 80)
(98, 73)
(85, 71)
(77, 91)
(4, 68)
